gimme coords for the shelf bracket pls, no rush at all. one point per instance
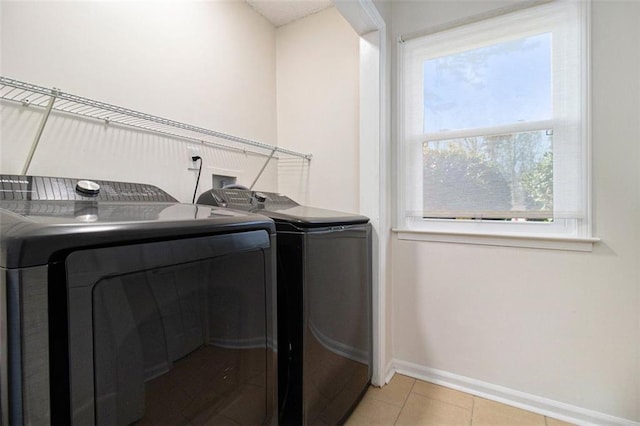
(264, 166)
(43, 123)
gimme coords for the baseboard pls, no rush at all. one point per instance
(533, 403)
(389, 371)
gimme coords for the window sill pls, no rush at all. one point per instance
(504, 240)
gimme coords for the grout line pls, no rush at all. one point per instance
(440, 401)
(397, 416)
(451, 404)
(405, 401)
(410, 391)
(473, 408)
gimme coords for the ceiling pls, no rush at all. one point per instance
(281, 12)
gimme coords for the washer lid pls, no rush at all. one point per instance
(311, 217)
(279, 207)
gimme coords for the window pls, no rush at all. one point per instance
(494, 125)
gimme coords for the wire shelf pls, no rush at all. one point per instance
(33, 95)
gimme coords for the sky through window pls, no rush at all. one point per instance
(495, 85)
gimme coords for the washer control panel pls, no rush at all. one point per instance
(17, 187)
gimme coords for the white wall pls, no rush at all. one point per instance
(559, 325)
(211, 64)
(317, 84)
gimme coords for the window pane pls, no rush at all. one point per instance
(495, 85)
(503, 177)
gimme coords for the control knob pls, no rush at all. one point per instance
(260, 197)
(87, 187)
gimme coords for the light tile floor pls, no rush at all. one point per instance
(411, 402)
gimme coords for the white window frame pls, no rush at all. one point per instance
(479, 33)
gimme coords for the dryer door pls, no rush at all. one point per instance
(174, 332)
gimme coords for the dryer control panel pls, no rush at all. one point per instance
(243, 199)
(17, 187)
